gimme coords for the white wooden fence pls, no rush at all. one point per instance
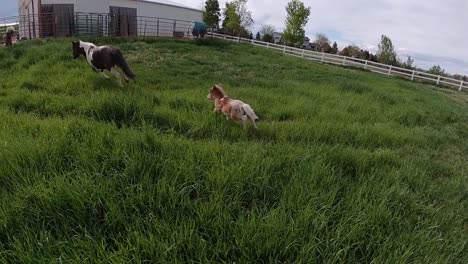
(350, 61)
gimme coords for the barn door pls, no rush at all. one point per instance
(57, 20)
(46, 21)
(123, 21)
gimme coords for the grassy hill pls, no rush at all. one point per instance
(347, 166)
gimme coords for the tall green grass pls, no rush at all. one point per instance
(347, 166)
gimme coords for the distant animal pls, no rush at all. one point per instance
(9, 36)
(232, 109)
(197, 29)
(103, 58)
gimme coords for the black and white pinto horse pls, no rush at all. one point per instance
(103, 58)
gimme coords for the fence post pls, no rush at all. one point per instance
(268, 45)
(303, 53)
(390, 70)
(412, 76)
(344, 60)
(438, 80)
(461, 86)
(139, 26)
(157, 29)
(284, 49)
(365, 65)
(323, 56)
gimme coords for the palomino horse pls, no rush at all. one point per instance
(234, 109)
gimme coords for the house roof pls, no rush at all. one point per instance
(171, 3)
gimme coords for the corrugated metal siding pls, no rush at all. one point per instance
(92, 6)
(166, 25)
(22, 7)
(124, 3)
(165, 11)
(29, 23)
(50, 2)
(144, 8)
(161, 27)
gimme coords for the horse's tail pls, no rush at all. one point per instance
(120, 61)
(250, 112)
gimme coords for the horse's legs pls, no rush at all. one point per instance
(118, 75)
(255, 125)
(104, 75)
(253, 121)
(244, 121)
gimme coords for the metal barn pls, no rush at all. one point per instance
(65, 18)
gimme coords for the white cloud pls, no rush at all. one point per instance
(432, 31)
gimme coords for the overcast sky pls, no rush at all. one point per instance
(431, 31)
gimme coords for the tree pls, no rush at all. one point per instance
(258, 37)
(351, 51)
(212, 13)
(245, 15)
(227, 11)
(373, 58)
(458, 77)
(356, 52)
(231, 22)
(237, 18)
(267, 30)
(250, 35)
(322, 43)
(268, 38)
(296, 20)
(386, 52)
(334, 49)
(437, 70)
(267, 33)
(363, 54)
(409, 64)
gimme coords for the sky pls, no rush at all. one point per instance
(430, 31)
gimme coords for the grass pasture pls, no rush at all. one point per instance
(347, 166)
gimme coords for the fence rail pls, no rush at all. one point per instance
(350, 61)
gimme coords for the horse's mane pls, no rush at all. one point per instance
(219, 89)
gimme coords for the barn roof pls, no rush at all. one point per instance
(171, 3)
